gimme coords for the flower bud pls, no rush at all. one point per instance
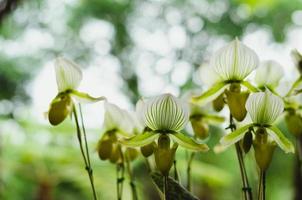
(218, 103)
(164, 156)
(264, 149)
(59, 109)
(200, 128)
(294, 123)
(148, 149)
(236, 102)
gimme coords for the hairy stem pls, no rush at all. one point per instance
(176, 176)
(261, 187)
(165, 186)
(246, 189)
(85, 155)
(189, 181)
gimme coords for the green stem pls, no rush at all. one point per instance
(132, 181)
(148, 165)
(189, 181)
(261, 187)
(246, 189)
(121, 175)
(165, 186)
(85, 156)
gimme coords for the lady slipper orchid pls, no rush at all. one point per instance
(268, 75)
(263, 108)
(232, 63)
(68, 77)
(164, 115)
(118, 123)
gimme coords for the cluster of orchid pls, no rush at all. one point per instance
(156, 127)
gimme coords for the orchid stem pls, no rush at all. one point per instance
(85, 155)
(246, 189)
(132, 181)
(165, 186)
(189, 181)
(261, 187)
(176, 176)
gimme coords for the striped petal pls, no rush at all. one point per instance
(269, 74)
(234, 61)
(165, 113)
(68, 74)
(264, 107)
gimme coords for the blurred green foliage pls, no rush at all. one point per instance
(31, 168)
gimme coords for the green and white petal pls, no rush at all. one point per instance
(84, 97)
(269, 74)
(207, 75)
(188, 142)
(140, 139)
(165, 113)
(264, 107)
(68, 74)
(117, 119)
(281, 140)
(235, 136)
(234, 61)
(211, 94)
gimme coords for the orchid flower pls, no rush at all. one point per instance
(164, 115)
(118, 123)
(232, 63)
(268, 75)
(263, 108)
(68, 77)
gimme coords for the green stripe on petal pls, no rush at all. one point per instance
(140, 140)
(165, 113)
(234, 61)
(264, 107)
(188, 142)
(211, 94)
(68, 74)
(281, 140)
(235, 136)
(84, 97)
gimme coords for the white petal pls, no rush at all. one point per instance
(207, 74)
(234, 61)
(269, 74)
(264, 107)
(68, 74)
(165, 113)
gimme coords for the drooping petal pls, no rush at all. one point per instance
(264, 107)
(234, 61)
(188, 143)
(268, 74)
(84, 97)
(281, 140)
(165, 113)
(140, 139)
(211, 94)
(235, 136)
(68, 74)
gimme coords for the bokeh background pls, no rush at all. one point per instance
(127, 49)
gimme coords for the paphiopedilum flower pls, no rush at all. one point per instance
(118, 123)
(68, 77)
(264, 108)
(164, 115)
(268, 75)
(233, 63)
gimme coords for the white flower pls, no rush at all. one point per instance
(207, 75)
(234, 61)
(68, 74)
(165, 113)
(269, 74)
(264, 107)
(120, 120)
